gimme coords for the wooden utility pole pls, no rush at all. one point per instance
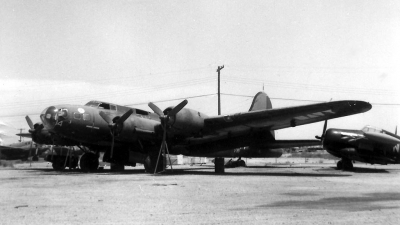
(219, 161)
(20, 131)
(219, 92)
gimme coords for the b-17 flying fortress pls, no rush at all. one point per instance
(128, 135)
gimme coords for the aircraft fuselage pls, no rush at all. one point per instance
(361, 146)
(83, 124)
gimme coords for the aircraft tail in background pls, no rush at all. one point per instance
(261, 101)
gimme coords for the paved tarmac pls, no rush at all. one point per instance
(263, 193)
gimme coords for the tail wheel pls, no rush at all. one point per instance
(89, 162)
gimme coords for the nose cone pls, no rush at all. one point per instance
(49, 117)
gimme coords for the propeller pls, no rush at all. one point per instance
(30, 155)
(323, 132)
(34, 129)
(164, 123)
(114, 125)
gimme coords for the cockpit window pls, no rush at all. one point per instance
(93, 104)
(104, 106)
(101, 105)
(372, 129)
(141, 112)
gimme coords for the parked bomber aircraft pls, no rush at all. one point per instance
(59, 155)
(370, 145)
(129, 136)
(22, 150)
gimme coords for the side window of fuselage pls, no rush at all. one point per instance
(77, 116)
(86, 116)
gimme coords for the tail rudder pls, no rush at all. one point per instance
(261, 101)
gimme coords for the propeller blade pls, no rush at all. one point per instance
(112, 146)
(124, 117)
(155, 109)
(30, 154)
(395, 132)
(106, 117)
(323, 131)
(29, 122)
(177, 108)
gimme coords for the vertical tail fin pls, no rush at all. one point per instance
(261, 101)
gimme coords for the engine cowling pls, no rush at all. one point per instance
(41, 135)
(187, 122)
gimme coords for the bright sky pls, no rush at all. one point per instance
(133, 52)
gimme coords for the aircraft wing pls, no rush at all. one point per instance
(27, 135)
(280, 118)
(291, 143)
(12, 153)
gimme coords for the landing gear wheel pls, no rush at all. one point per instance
(150, 164)
(241, 163)
(89, 162)
(58, 164)
(219, 165)
(339, 165)
(117, 167)
(347, 165)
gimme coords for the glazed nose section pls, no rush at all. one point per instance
(49, 117)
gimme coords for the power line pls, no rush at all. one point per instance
(307, 100)
(169, 100)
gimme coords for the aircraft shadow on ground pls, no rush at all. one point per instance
(368, 170)
(187, 171)
(358, 170)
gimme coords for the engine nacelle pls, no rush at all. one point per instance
(187, 122)
(41, 135)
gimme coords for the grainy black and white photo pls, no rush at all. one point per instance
(199, 112)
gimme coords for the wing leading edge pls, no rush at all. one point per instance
(280, 118)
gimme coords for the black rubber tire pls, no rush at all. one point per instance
(150, 164)
(117, 167)
(58, 164)
(89, 162)
(339, 165)
(242, 163)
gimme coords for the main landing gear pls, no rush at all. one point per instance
(220, 164)
(238, 163)
(150, 164)
(89, 162)
(59, 162)
(344, 164)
